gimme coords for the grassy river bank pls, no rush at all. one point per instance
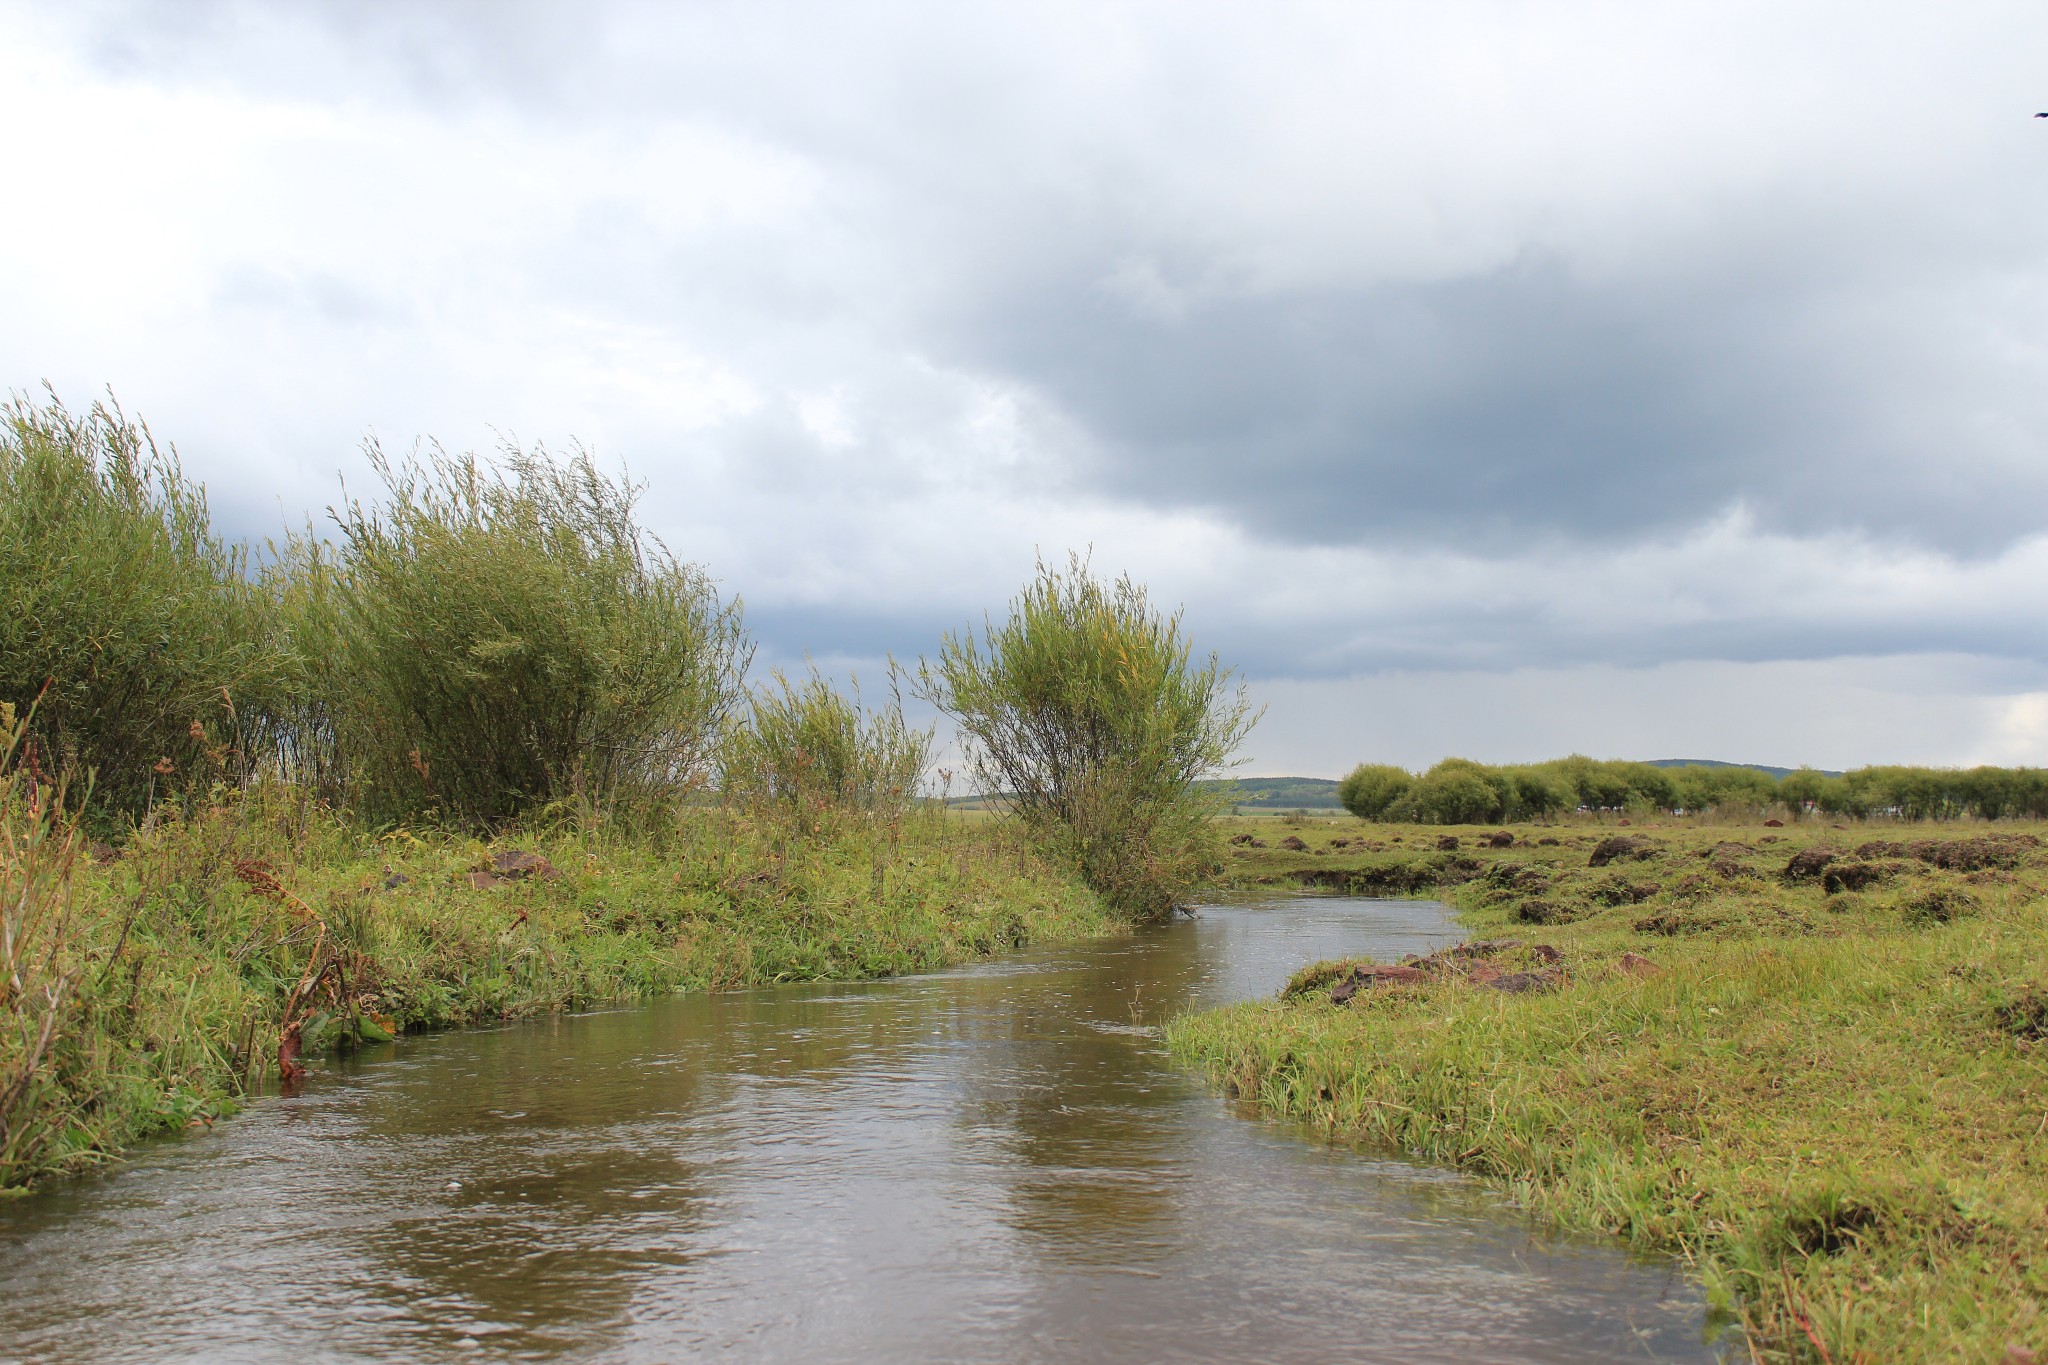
(158, 985)
(1811, 1059)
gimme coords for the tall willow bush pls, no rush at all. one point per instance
(1085, 717)
(152, 652)
(807, 748)
(499, 636)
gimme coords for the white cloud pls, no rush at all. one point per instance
(1839, 713)
(883, 300)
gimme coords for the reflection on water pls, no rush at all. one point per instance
(993, 1164)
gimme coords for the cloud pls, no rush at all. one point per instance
(1394, 341)
(1838, 714)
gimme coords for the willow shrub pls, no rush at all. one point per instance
(122, 610)
(807, 748)
(1368, 790)
(1084, 716)
(495, 637)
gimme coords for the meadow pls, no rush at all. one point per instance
(1809, 1056)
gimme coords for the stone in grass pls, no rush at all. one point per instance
(512, 864)
(1515, 983)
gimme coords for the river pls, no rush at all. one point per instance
(990, 1164)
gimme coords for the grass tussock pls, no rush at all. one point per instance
(807, 747)
(1831, 1099)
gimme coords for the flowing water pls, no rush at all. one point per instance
(991, 1164)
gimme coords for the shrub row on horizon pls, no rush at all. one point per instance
(1458, 791)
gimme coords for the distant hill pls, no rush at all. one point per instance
(1717, 763)
(1246, 793)
(1279, 793)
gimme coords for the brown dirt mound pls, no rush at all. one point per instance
(1621, 846)
(1858, 876)
(1807, 864)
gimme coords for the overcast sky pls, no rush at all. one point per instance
(1504, 380)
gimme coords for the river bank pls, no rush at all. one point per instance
(991, 1163)
(162, 982)
(1810, 1059)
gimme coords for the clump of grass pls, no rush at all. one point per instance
(1938, 905)
(40, 843)
(807, 748)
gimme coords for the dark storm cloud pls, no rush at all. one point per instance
(1528, 405)
(1834, 356)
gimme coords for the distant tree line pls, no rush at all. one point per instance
(1458, 791)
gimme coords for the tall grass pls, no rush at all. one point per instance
(1085, 714)
(500, 636)
(806, 747)
(127, 623)
(40, 843)
(237, 939)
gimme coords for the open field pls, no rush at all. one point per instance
(1811, 1058)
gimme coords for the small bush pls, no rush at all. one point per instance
(1456, 791)
(805, 747)
(1371, 789)
(1084, 715)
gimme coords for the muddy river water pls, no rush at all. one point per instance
(991, 1164)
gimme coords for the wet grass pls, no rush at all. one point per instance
(256, 932)
(1810, 1058)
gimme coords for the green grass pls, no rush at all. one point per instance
(185, 962)
(1836, 1105)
